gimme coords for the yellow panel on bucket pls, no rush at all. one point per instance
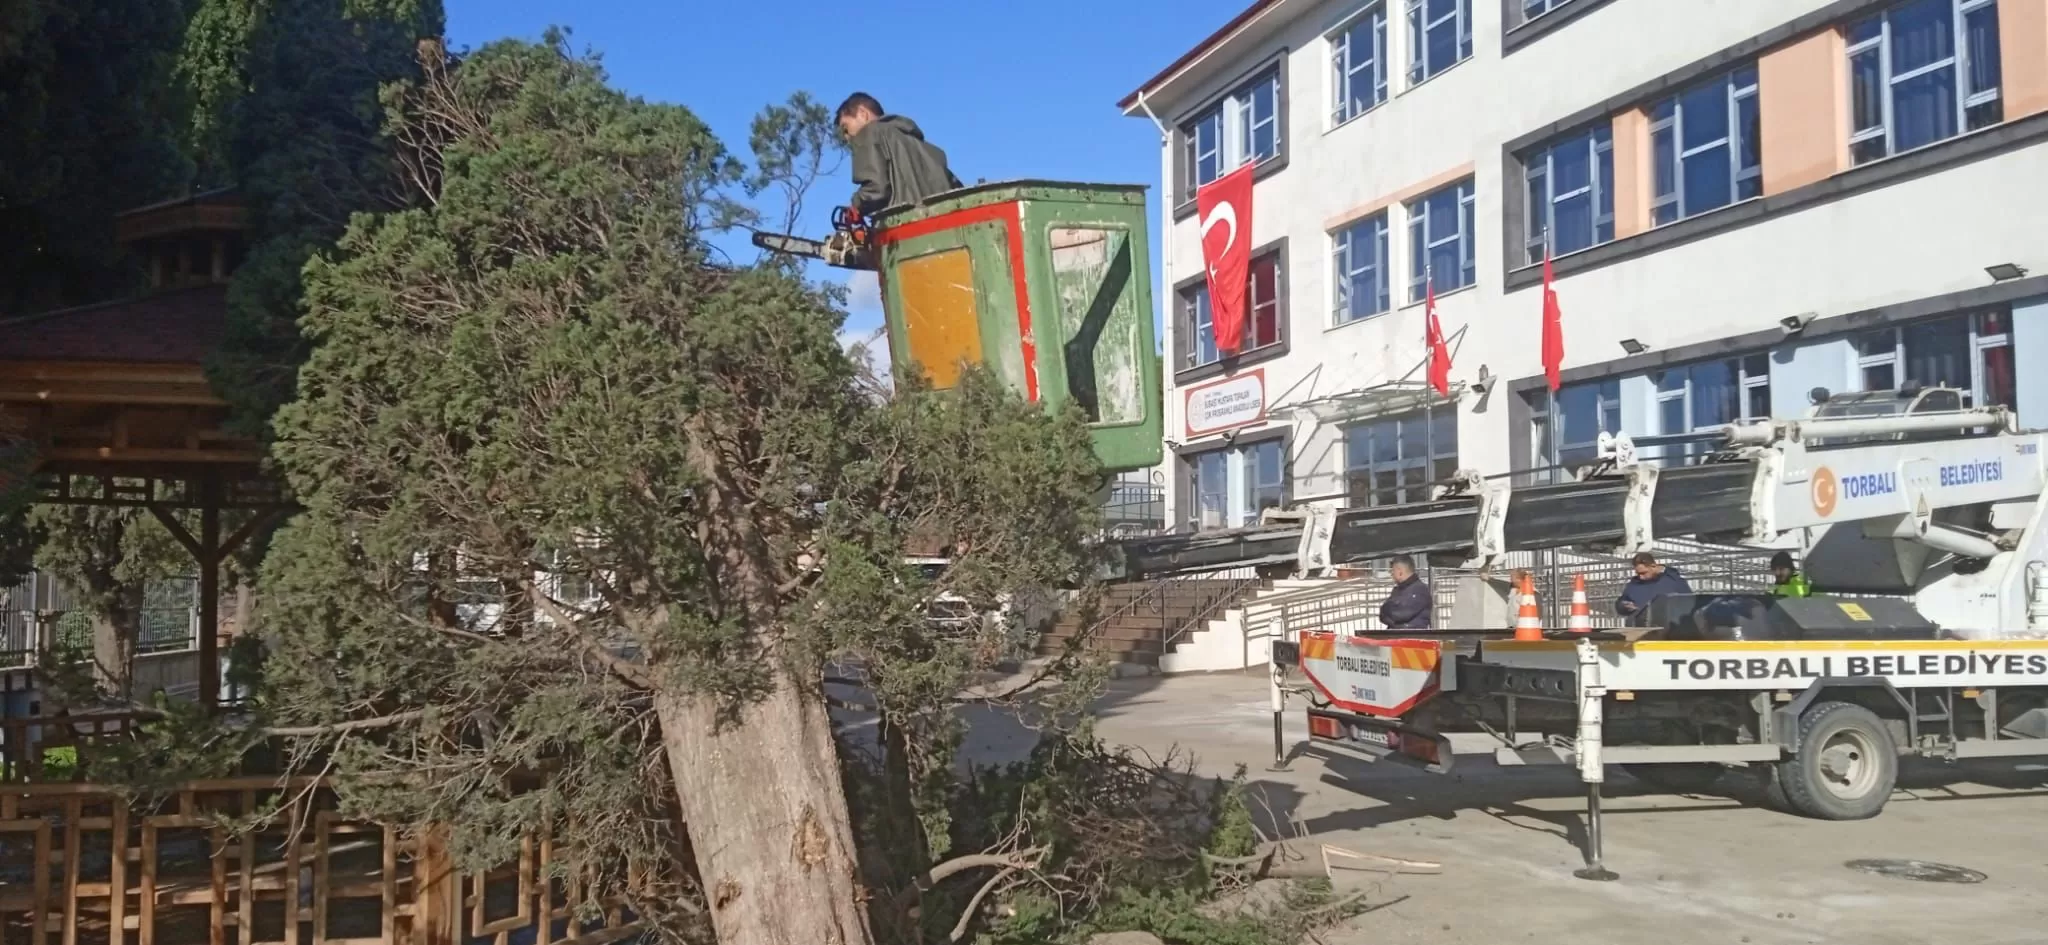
(937, 292)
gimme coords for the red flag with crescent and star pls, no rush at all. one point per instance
(1224, 207)
(1439, 352)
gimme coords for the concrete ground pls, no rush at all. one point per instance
(1695, 870)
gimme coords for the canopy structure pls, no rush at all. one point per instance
(112, 406)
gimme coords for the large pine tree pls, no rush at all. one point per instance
(588, 505)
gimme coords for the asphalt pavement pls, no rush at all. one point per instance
(1694, 869)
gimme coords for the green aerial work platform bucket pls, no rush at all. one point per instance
(1049, 284)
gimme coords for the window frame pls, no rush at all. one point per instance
(1233, 147)
(1598, 139)
(1606, 401)
(1342, 269)
(1245, 445)
(1344, 71)
(1739, 88)
(1743, 380)
(1434, 455)
(1186, 324)
(1419, 69)
(1958, 63)
(1419, 245)
(1897, 357)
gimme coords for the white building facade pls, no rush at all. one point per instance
(1744, 200)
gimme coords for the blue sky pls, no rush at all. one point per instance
(1008, 88)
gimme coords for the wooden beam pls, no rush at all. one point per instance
(103, 371)
(107, 454)
(112, 393)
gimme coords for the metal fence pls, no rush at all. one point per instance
(1352, 603)
(40, 614)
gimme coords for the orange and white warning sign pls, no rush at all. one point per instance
(1372, 677)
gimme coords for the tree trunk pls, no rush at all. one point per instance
(767, 816)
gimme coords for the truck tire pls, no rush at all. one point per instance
(1682, 778)
(1846, 765)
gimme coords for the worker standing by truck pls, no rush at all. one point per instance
(1652, 580)
(1409, 604)
(1786, 579)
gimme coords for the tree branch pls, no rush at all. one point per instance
(634, 675)
(966, 920)
(343, 728)
(1019, 860)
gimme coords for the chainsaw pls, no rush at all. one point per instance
(851, 245)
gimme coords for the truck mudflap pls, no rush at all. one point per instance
(1382, 739)
(1371, 677)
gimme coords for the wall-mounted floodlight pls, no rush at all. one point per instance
(1794, 324)
(2005, 272)
(1633, 346)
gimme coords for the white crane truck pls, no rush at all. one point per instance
(1922, 528)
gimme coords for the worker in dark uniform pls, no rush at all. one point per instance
(1410, 603)
(1787, 581)
(1652, 580)
(892, 163)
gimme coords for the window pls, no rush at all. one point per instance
(1972, 353)
(1713, 393)
(1532, 9)
(1232, 486)
(1442, 244)
(1358, 57)
(1571, 194)
(1263, 322)
(1387, 462)
(1921, 72)
(1439, 36)
(1588, 410)
(1361, 269)
(1243, 127)
(1707, 147)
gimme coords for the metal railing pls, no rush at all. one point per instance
(41, 614)
(1239, 581)
(1351, 604)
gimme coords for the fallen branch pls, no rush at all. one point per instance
(1020, 860)
(966, 921)
(343, 728)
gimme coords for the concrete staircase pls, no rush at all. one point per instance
(1133, 622)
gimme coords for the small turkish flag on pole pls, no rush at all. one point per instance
(1553, 326)
(1224, 207)
(1439, 353)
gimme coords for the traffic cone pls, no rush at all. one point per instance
(1528, 622)
(1582, 616)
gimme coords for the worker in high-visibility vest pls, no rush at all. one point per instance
(1789, 582)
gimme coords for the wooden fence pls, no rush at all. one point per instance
(81, 866)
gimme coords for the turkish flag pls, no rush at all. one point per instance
(1553, 327)
(1224, 207)
(1439, 353)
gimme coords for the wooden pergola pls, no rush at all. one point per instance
(115, 401)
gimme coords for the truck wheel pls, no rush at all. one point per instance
(1682, 778)
(1846, 764)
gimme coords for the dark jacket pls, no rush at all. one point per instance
(1640, 593)
(894, 165)
(1408, 606)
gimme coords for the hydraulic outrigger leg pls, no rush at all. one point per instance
(1592, 698)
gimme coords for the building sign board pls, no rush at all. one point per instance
(1226, 404)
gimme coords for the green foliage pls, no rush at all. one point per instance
(87, 130)
(556, 460)
(287, 107)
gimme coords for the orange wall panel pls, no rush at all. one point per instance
(1803, 90)
(2023, 56)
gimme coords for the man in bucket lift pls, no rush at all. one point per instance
(892, 163)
